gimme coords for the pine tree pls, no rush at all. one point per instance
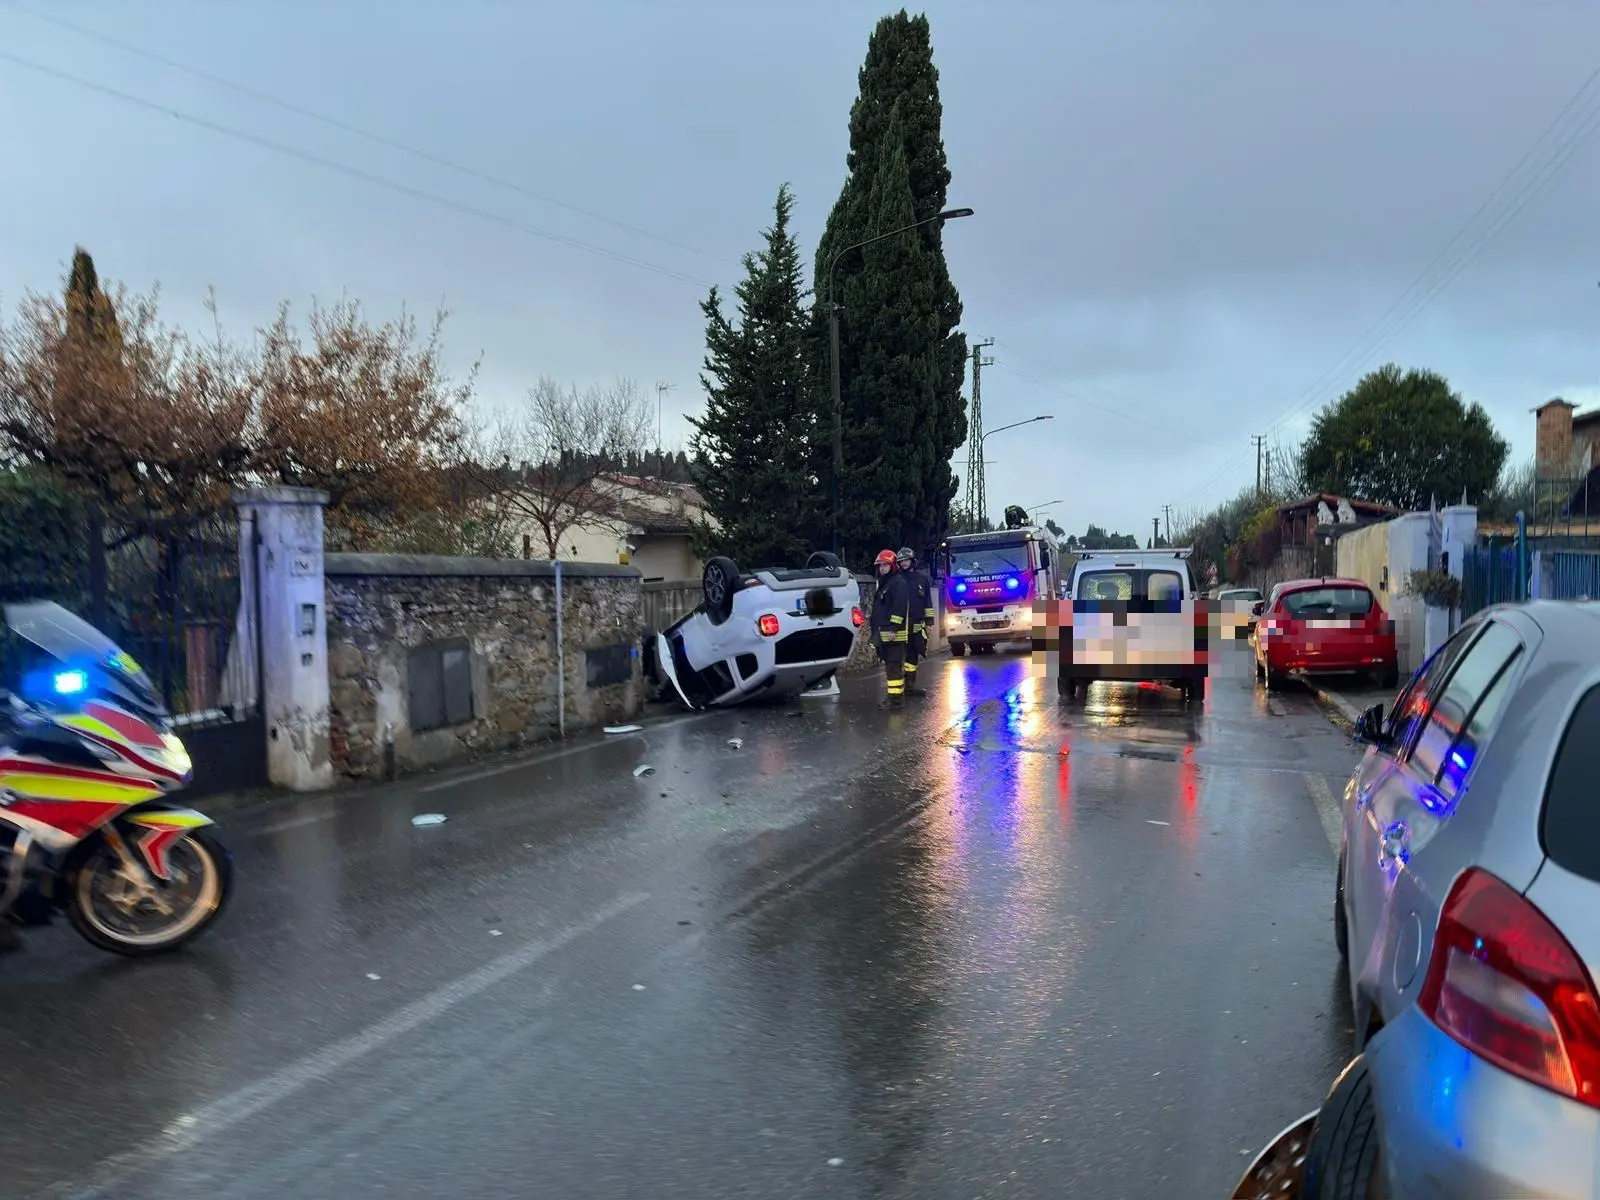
(750, 450)
(898, 103)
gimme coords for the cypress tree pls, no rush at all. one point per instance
(750, 450)
(898, 104)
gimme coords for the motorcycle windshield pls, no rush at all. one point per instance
(77, 646)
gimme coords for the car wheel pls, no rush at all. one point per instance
(823, 560)
(1065, 686)
(1275, 680)
(1345, 1158)
(1389, 677)
(957, 649)
(718, 583)
(1341, 926)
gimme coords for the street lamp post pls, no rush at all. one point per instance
(984, 499)
(833, 347)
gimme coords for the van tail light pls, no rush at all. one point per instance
(857, 618)
(1504, 983)
(768, 625)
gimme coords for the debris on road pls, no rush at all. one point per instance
(424, 819)
(371, 976)
(623, 728)
(643, 769)
(736, 743)
(638, 987)
(1149, 822)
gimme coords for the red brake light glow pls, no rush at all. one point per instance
(857, 618)
(768, 625)
(1504, 983)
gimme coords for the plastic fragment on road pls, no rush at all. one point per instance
(494, 933)
(638, 987)
(736, 743)
(373, 977)
(1150, 822)
(623, 728)
(424, 819)
(643, 769)
(836, 1162)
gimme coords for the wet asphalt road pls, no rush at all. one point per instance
(987, 946)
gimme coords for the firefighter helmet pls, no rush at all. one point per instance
(904, 554)
(885, 558)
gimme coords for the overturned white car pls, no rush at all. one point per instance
(775, 629)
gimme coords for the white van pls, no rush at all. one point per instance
(1134, 618)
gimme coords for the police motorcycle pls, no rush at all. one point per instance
(89, 764)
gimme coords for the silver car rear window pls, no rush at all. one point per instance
(1570, 828)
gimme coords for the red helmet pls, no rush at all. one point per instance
(884, 556)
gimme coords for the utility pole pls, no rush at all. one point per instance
(1260, 440)
(1155, 531)
(1270, 453)
(1166, 511)
(661, 463)
(977, 493)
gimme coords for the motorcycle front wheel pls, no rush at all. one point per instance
(138, 918)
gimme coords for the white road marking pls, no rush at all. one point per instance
(193, 1128)
(1327, 809)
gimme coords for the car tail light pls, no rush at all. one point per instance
(768, 625)
(1505, 984)
(857, 618)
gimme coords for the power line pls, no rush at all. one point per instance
(355, 130)
(353, 172)
(1164, 426)
(1434, 279)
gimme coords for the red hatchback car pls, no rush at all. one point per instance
(1324, 627)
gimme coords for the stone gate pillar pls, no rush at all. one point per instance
(285, 572)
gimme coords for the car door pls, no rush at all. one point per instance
(1418, 796)
(1364, 895)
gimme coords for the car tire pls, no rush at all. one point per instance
(1341, 925)
(1389, 677)
(1275, 680)
(718, 583)
(823, 559)
(1345, 1158)
(1065, 686)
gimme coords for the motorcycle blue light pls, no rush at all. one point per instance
(70, 683)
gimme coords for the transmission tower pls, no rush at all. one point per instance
(977, 495)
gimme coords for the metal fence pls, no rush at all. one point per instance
(170, 592)
(1573, 575)
(1491, 574)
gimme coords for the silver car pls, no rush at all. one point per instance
(1468, 914)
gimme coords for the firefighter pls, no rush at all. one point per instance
(922, 616)
(891, 623)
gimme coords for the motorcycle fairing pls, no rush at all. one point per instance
(161, 829)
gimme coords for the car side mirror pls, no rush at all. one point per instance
(1369, 727)
(1259, 607)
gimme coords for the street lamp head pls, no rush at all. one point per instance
(950, 214)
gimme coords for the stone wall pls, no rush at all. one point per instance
(381, 609)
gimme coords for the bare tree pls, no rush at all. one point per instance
(554, 460)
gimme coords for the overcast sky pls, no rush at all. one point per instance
(1188, 215)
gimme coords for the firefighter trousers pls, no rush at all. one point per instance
(894, 669)
(916, 651)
